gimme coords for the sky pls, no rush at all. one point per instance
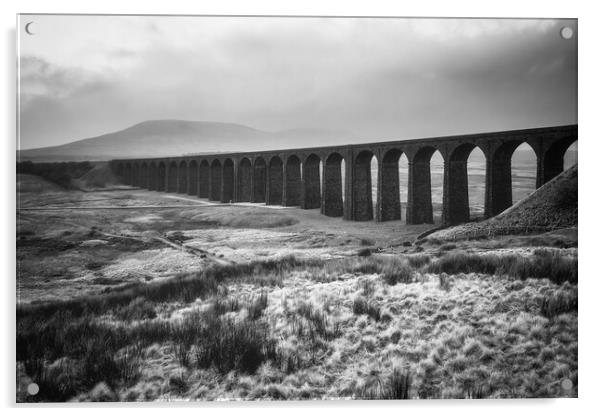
(376, 78)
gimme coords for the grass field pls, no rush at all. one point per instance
(170, 299)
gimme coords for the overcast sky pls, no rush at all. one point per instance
(82, 76)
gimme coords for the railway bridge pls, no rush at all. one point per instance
(312, 177)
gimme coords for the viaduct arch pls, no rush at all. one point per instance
(339, 179)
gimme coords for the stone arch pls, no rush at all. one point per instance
(500, 181)
(456, 208)
(553, 158)
(172, 177)
(311, 182)
(204, 178)
(245, 180)
(332, 194)
(259, 180)
(216, 181)
(363, 208)
(193, 178)
(389, 204)
(293, 189)
(275, 181)
(228, 181)
(161, 176)
(183, 177)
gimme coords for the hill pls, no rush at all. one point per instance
(179, 137)
(551, 207)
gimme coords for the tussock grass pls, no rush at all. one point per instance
(221, 305)
(444, 282)
(361, 306)
(318, 320)
(100, 352)
(397, 270)
(552, 266)
(137, 309)
(397, 386)
(228, 344)
(257, 305)
(90, 353)
(558, 303)
(418, 260)
(448, 353)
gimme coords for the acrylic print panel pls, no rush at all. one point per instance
(291, 208)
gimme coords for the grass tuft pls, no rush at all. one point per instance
(558, 303)
(396, 271)
(361, 306)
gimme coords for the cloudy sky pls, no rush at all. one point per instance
(82, 76)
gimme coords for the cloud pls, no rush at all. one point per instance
(41, 79)
(380, 78)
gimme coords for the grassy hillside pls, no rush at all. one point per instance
(551, 207)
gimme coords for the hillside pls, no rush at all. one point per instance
(553, 206)
(178, 137)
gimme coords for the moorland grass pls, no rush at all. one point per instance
(68, 350)
(553, 266)
(361, 306)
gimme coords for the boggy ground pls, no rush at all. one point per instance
(176, 300)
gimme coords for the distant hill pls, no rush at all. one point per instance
(550, 207)
(178, 137)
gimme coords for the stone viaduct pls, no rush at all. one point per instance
(292, 177)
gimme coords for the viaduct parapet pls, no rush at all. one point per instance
(292, 177)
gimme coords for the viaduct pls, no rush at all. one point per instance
(292, 177)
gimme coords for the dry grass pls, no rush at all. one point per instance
(551, 265)
(379, 327)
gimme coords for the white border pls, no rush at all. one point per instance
(590, 150)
